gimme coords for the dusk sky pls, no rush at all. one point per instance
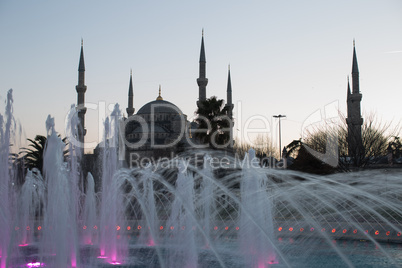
(286, 57)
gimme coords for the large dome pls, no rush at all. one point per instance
(156, 129)
(159, 106)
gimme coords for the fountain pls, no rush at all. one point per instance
(200, 209)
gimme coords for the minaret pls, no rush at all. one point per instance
(229, 103)
(354, 119)
(229, 107)
(130, 108)
(81, 89)
(202, 81)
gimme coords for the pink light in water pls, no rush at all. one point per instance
(151, 243)
(264, 264)
(73, 261)
(115, 263)
(102, 257)
(88, 240)
(35, 264)
(23, 245)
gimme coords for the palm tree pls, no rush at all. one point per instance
(34, 153)
(213, 123)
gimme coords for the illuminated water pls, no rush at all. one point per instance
(189, 212)
(299, 253)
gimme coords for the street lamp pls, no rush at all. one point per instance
(279, 116)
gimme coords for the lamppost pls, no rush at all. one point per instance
(279, 116)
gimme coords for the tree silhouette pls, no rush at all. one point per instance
(213, 123)
(33, 157)
(34, 153)
(395, 146)
(376, 137)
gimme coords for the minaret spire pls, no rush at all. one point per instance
(81, 88)
(355, 71)
(202, 52)
(229, 107)
(229, 103)
(202, 81)
(81, 66)
(130, 109)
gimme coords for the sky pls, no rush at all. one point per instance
(286, 57)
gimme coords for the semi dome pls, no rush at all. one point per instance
(159, 106)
